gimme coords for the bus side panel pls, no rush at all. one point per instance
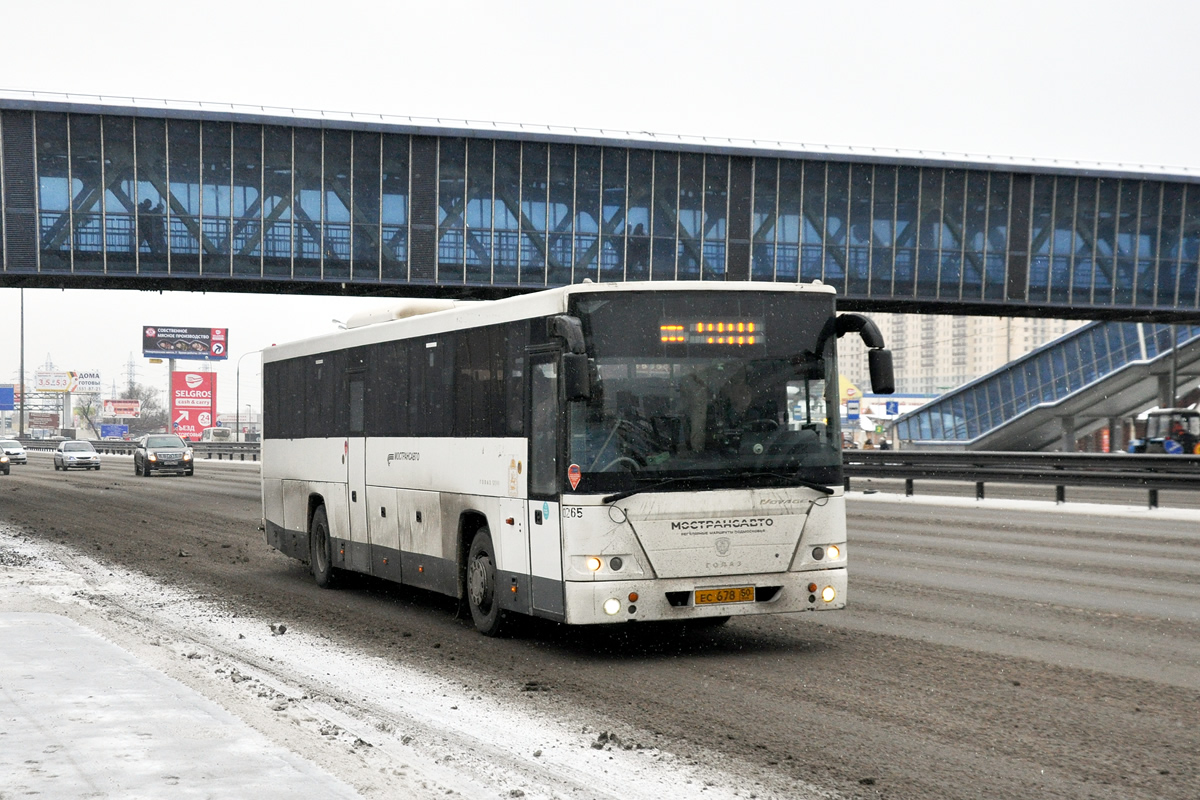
(512, 555)
(424, 559)
(383, 531)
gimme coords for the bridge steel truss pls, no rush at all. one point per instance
(135, 194)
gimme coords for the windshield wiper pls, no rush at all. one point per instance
(612, 498)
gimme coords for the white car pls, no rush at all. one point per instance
(14, 450)
(78, 454)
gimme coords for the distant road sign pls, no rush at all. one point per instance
(892, 407)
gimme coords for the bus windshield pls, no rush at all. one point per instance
(754, 398)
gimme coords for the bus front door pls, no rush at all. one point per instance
(544, 525)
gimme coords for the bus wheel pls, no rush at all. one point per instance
(320, 552)
(481, 585)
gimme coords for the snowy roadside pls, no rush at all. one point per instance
(386, 728)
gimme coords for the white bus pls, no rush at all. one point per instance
(596, 453)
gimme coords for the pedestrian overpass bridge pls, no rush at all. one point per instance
(118, 193)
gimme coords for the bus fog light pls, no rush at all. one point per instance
(612, 606)
(828, 593)
(593, 563)
(615, 563)
(834, 552)
(818, 553)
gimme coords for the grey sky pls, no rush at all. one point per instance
(1073, 80)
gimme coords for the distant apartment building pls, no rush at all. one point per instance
(935, 353)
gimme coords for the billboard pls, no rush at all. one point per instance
(7, 402)
(86, 381)
(193, 402)
(202, 343)
(114, 431)
(122, 408)
(43, 419)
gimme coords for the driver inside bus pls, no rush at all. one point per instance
(718, 399)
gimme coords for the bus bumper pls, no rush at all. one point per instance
(683, 599)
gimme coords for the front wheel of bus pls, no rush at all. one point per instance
(481, 585)
(320, 554)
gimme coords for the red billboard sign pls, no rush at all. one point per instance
(193, 402)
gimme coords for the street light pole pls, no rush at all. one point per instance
(238, 398)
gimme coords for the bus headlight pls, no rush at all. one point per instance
(593, 563)
(828, 594)
(612, 606)
(834, 552)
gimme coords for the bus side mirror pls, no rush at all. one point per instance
(577, 382)
(883, 380)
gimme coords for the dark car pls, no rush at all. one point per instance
(162, 452)
(79, 455)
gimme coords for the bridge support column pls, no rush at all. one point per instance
(1166, 392)
(1068, 433)
(1116, 435)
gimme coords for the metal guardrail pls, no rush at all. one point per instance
(233, 451)
(1129, 471)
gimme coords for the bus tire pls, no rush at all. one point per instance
(481, 585)
(320, 550)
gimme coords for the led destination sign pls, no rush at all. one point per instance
(737, 332)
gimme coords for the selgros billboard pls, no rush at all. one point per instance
(193, 402)
(159, 341)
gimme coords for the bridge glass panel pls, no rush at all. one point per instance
(54, 192)
(763, 219)
(245, 235)
(308, 188)
(691, 215)
(87, 180)
(277, 201)
(1041, 236)
(535, 191)
(365, 205)
(664, 222)
(336, 203)
(561, 243)
(1108, 194)
(971, 414)
(974, 235)
(1062, 246)
(478, 229)
(216, 201)
(424, 226)
(929, 231)
(1127, 232)
(787, 237)
(394, 210)
(1167, 279)
(858, 232)
(1189, 283)
(638, 215)
(812, 222)
(587, 213)
(183, 199)
(120, 217)
(834, 231)
(716, 216)
(996, 254)
(883, 230)
(452, 194)
(1020, 387)
(1083, 248)
(1146, 246)
(612, 233)
(950, 271)
(908, 213)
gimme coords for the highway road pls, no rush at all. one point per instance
(996, 649)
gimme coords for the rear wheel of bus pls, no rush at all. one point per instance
(481, 585)
(320, 549)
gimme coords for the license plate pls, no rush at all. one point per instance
(736, 594)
